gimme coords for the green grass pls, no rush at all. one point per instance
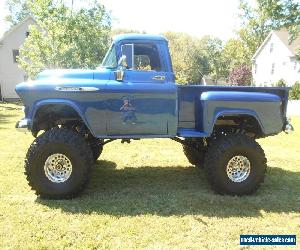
(145, 195)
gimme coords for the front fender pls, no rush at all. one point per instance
(69, 103)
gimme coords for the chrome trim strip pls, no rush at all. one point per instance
(77, 89)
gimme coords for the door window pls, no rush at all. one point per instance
(145, 57)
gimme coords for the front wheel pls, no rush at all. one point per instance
(58, 164)
(235, 165)
(96, 147)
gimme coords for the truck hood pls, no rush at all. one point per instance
(47, 81)
(73, 74)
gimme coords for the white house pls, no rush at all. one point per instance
(10, 73)
(276, 59)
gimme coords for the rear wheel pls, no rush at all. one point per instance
(235, 165)
(58, 164)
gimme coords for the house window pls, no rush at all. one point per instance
(27, 34)
(273, 68)
(25, 78)
(15, 55)
(255, 68)
(271, 47)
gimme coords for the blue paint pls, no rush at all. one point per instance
(239, 96)
(143, 106)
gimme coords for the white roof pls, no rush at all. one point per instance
(6, 34)
(283, 36)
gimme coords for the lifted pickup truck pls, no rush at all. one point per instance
(133, 95)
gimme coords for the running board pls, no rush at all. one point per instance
(190, 132)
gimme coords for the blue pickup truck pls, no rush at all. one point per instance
(133, 95)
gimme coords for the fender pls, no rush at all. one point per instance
(264, 107)
(71, 104)
(238, 112)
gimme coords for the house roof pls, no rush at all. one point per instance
(284, 37)
(6, 34)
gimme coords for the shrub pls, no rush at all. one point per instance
(280, 83)
(295, 92)
(240, 76)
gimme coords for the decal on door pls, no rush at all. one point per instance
(128, 111)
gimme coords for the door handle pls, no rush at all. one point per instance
(159, 78)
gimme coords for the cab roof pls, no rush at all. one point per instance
(133, 36)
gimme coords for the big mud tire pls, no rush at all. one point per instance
(194, 156)
(235, 165)
(96, 148)
(58, 164)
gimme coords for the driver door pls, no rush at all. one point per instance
(144, 102)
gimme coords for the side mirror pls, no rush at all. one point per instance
(122, 62)
(126, 60)
(119, 75)
(122, 65)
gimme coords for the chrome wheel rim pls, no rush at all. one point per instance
(58, 168)
(238, 168)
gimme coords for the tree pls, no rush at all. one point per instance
(213, 48)
(18, 10)
(234, 54)
(256, 25)
(190, 62)
(269, 15)
(295, 92)
(240, 76)
(280, 83)
(286, 13)
(65, 38)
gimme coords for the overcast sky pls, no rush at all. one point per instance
(196, 17)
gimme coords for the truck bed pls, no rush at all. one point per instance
(191, 104)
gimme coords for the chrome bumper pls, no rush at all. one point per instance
(23, 125)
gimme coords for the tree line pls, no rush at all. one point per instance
(69, 37)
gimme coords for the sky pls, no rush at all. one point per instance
(196, 17)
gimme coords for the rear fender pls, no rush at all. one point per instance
(237, 112)
(265, 108)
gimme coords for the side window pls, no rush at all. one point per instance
(273, 68)
(15, 53)
(271, 47)
(110, 59)
(146, 57)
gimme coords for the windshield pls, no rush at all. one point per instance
(110, 59)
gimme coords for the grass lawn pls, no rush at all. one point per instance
(145, 195)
